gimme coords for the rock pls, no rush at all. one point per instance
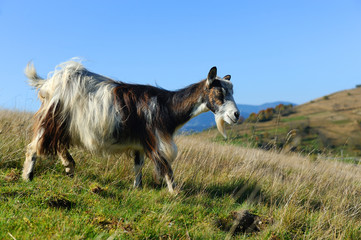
(245, 222)
(240, 222)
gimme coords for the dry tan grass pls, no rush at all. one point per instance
(15, 132)
(297, 190)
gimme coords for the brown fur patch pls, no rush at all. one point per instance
(133, 102)
(191, 98)
(216, 96)
(55, 136)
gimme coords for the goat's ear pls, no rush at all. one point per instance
(211, 75)
(227, 77)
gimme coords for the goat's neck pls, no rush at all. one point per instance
(188, 103)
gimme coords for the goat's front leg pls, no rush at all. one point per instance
(138, 165)
(170, 182)
(67, 161)
(165, 171)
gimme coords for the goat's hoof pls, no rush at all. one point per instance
(175, 192)
(71, 175)
(69, 172)
(140, 186)
(28, 176)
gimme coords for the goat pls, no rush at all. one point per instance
(82, 108)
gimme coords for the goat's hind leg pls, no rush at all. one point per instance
(138, 165)
(28, 169)
(67, 161)
(31, 155)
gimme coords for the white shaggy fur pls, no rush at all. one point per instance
(87, 97)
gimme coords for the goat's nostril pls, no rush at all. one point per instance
(236, 114)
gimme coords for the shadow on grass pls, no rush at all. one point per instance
(59, 202)
(240, 190)
(19, 194)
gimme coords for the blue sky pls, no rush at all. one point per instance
(275, 50)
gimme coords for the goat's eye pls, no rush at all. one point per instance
(219, 92)
(224, 91)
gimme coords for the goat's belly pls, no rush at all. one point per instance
(107, 146)
(120, 148)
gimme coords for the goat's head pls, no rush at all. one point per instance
(219, 99)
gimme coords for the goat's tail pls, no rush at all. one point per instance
(34, 79)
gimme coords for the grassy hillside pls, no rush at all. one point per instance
(295, 197)
(328, 125)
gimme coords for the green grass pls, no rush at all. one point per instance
(30, 210)
(56, 206)
(291, 119)
(295, 197)
(341, 122)
(275, 130)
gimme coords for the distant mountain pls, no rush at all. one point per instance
(246, 110)
(206, 120)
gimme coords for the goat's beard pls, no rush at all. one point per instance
(221, 125)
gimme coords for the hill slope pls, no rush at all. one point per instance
(330, 123)
(337, 116)
(295, 197)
